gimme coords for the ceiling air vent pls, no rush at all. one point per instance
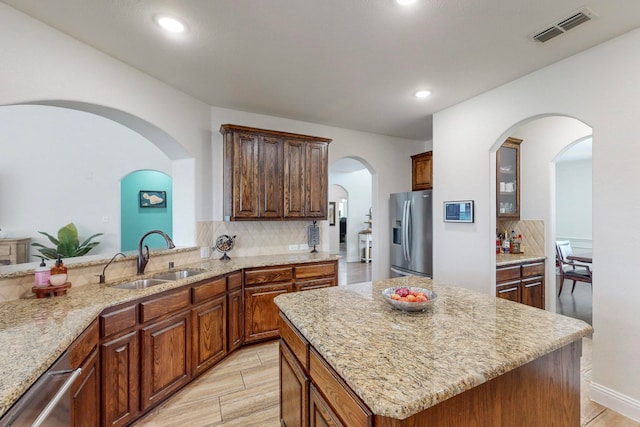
(576, 18)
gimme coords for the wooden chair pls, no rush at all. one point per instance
(578, 272)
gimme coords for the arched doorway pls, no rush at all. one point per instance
(351, 177)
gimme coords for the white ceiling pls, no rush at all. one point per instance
(347, 63)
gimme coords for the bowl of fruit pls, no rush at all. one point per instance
(409, 298)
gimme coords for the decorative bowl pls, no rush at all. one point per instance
(410, 306)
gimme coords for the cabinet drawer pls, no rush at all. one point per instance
(297, 343)
(344, 402)
(164, 305)
(315, 284)
(268, 275)
(84, 345)
(207, 290)
(533, 269)
(234, 281)
(118, 320)
(507, 273)
(315, 270)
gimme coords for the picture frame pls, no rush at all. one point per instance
(152, 199)
(459, 211)
(332, 213)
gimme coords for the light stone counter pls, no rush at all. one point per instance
(35, 332)
(402, 363)
(508, 259)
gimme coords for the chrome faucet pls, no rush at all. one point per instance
(143, 258)
(102, 276)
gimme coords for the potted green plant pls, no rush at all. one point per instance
(67, 244)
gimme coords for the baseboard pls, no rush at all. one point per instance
(618, 402)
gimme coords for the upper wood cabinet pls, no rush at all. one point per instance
(508, 180)
(273, 175)
(422, 171)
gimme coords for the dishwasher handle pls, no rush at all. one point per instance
(59, 394)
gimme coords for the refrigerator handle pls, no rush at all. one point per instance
(408, 231)
(404, 230)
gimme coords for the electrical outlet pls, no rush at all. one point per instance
(204, 252)
(293, 247)
(304, 247)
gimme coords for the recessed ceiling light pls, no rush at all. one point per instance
(406, 2)
(422, 93)
(170, 24)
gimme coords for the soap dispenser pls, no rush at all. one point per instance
(58, 273)
(42, 274)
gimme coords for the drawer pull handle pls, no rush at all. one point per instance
(507, 290)
(533, 284)
(515, 282)
(534, 264)
(509, 268)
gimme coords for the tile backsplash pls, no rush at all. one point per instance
(254, 238)
(532, 234)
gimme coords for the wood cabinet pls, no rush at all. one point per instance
(14, 251)
(263, 284)
(209, 333)
(311, 392)
(508, 180)
(422, 171)
(235, 310)
(164, 357)
(522, 282)
(120, 379)
(85, 391)
(273, 175)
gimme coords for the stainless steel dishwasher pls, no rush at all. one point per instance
(47, 402)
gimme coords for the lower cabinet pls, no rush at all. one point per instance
(320, 413)
(261, 313)
(294, 390)
(164, 355)
(522, 282)
(209, 334)
(119, 363)
(235, 307)
(85, 394)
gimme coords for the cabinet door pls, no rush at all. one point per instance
(245, 176)
(294, 390)
(164, 357)
(316, 180)
(294, 179)
(235, 319)
(261, 313)
(508, 180)
(270, 177)
(533, 292)
(119, 380)
(320, 413)
(421, 171)
(510, 291)
(209, 334)
(85, 394)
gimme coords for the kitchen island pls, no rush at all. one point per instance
(348, 358)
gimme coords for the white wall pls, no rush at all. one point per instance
(573, 203)
(358, 185)
(336, 193)
(386, 157)
(60, 165)
(42, 65)
(599, 87)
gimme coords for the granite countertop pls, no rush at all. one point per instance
(403, 363)
(508, 259)
(35, 332)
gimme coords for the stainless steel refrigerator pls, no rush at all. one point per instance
(411, 233)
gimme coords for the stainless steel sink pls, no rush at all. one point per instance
(140, 284)
(178, 274)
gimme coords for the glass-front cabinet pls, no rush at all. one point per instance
(508, 180)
